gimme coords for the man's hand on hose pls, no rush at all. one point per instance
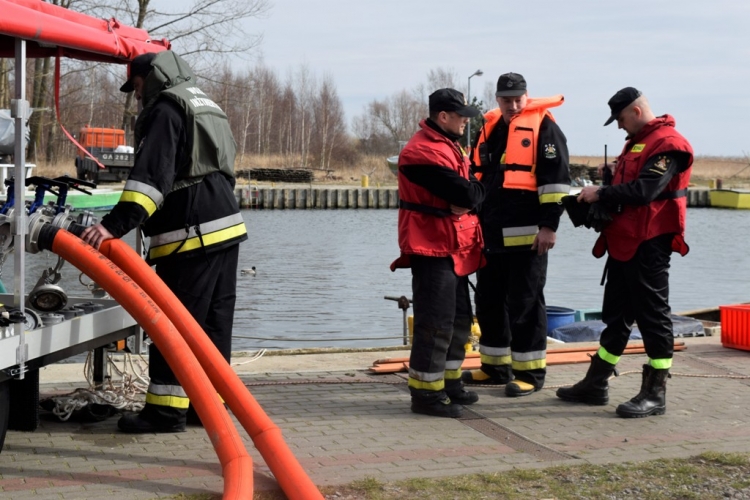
(96, 235)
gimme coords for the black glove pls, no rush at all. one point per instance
(578, 212)
(598, 217)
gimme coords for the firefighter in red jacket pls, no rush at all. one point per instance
(648, 204)
(440, 240)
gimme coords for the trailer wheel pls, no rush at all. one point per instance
(4, 410)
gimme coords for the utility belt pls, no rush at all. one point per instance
(665, 195)
(425, 209)
(671, 195)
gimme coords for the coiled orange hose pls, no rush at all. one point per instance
(266, 435)
(236, 463)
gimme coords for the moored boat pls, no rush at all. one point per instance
(730, 198)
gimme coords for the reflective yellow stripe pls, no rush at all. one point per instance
(516, 241)
(529, 365)
(195, 242)
(168, 400)
(661, 364)
(494, 351)
(437, 385)
(209, 227)
(140, 199)
(454, 364)
(551, 197)
(554, 188)
(518, 236)
(609, 358)
(452, 374)
(494, 360)
(144, 189)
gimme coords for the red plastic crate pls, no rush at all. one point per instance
(735, 326)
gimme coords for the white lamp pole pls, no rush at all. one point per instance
(478, 72)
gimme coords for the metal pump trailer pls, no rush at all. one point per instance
(33, 28)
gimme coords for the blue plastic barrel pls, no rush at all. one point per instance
(559, 316)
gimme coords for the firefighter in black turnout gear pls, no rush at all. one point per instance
(521, 157)
(181, 192)
(648, 203)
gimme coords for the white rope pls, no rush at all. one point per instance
(125, 392)
(123, 388)
(255, 357)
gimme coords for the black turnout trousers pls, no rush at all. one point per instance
(442, 319)
(207, 287)
(637, 291)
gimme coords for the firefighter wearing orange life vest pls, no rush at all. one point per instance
(522, 157)
(650, 181)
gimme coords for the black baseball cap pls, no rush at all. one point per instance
(510, 85)
(621, 100)
(451, 100)
(140, 66)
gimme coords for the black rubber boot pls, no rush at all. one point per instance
(457, 392)
(488, 375)
(652, 400)
(434, 403)
(594, 388)
(135, 423)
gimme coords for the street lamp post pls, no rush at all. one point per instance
(478, 72)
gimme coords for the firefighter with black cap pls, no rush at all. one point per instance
(440, 240)
(181, 192)
(649, 183)
(522, 157)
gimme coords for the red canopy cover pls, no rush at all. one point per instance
(53, 31)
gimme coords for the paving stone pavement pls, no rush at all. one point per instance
(343, 424)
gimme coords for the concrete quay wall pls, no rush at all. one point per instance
(279, 198)
(315, 197)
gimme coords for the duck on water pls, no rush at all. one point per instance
(248, 272)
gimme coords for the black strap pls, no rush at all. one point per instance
(514, 168)
(671, 195)
(425, 209)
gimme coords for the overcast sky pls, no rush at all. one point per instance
(690, 57)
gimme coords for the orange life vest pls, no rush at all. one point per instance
(520, 152)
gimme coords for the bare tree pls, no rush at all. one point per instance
(441, 78)
(196, 28)
(304, 85)
(489, 96)
(399, 114)
(4, 83)
(200, 30)
(328, 121)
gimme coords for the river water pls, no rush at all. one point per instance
(322, 275)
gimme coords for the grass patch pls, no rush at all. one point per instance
(709, 476)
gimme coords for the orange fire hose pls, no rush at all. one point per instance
(236, 463)
(266, 435)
